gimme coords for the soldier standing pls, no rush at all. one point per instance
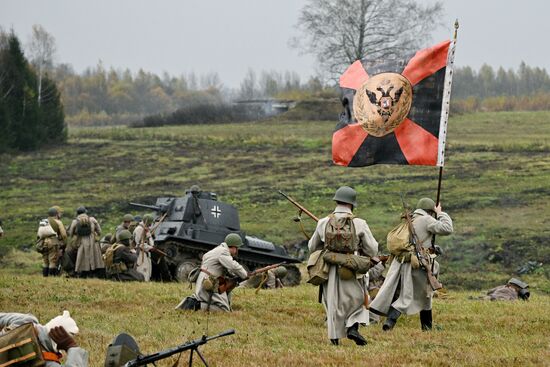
(120, 260)
(344, 296)
(53, 244)
(406, 289)
(143, 240)
(216, 263)
(1, 230)
(127, 220)
(83, 231)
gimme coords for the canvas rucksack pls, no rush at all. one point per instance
(399, 239)
(340, 234)
(110, 255)
(83, 225)
(20, 347)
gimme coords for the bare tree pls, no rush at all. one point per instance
(41, 53)
(339, 32)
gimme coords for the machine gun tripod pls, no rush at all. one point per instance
(124, 351)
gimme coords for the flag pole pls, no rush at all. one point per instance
(446, 103)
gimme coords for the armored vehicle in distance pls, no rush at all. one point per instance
(194, 224)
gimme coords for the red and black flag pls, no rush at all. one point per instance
(395, 112)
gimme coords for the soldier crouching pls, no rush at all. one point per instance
(120, 261)
(217, 265)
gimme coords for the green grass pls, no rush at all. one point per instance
(495, 184)
(284, 327)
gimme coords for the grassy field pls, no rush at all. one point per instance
(496, 184)
(496, 188)
(285, 327)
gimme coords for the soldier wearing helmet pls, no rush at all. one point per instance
(54, 243)
(511, 291)
(215, 264)
(406, 288)
(143, 240)
(344, 293)
(127, 220)
(83, 232)
(120, 260)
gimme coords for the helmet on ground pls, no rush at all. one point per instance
(128, 218)
(124, 235)
(52, 212)
(81, 210)
(280, 272)
(346, 194)
(148, 219)
(233, 240)
(426, 204)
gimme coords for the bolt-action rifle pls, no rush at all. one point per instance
(227, 284)
(420, 253)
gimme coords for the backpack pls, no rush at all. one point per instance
(20, 347)
(83, 225)
(399, 239)
(340, 234)
(109, 255)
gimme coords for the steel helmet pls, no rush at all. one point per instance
(426, 204)
(346, 194)
(127, 218)
(233, 240)
(124, 235)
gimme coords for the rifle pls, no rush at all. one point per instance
(301, 208)
(227, 284)
(424, 262)
(191, 345)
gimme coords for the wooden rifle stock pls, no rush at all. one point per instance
(424, 262)
(227, 284)
(299, 206)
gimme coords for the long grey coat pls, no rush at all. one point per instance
(88, 255)
(76, 357)
(217, 262)
(144, 242)
(344, 299)
(415, 292)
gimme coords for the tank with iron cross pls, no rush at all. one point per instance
(197, 222)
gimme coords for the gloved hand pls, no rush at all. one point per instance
(62, 338)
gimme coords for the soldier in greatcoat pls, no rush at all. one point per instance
(215, 263)
(407, 290)
(83, 230)
(142, 238)
(344, 299)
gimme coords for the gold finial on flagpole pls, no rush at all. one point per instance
(456, 29)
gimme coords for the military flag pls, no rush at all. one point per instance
(395, 112)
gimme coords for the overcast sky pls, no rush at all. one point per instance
(229, 36)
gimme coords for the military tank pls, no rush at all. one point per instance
(194, 224)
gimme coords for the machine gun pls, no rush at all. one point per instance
(227, 284)
(124, 352)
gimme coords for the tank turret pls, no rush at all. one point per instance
(197, 222)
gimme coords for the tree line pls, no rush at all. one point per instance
(31, 113)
